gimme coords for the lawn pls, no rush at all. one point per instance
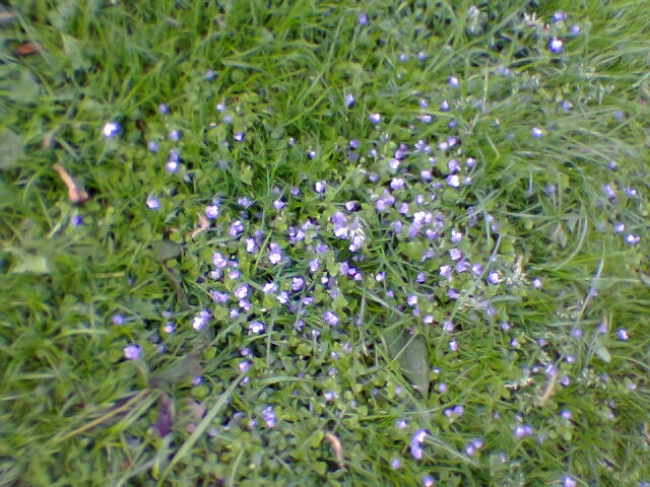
(324, 243)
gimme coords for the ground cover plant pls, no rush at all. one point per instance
(311, 243)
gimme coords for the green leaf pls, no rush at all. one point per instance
(11, 149)
(166, 250)
(601, 351)
(73, 51)
(32, 264)
(412, 355)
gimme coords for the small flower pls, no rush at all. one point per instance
(153, 203)
(201, 319)
(269, 416)
(415, 445)
(632, 239)
(169, 328)
(236, 228)
(453, 180)
(427, 481)
(453, 81)
(330, 318)
(330, 396)
(349, 100)
(622, 334)
(536, 132)
(522, 430)
(319, 186)
(362, 19)
(568, 482)
(494, 277)
(395, 463)
(241, 291)
(111, 129)
(275, 254)
(256, 327)
(117, 319)
(152, 146)
(211, 212)
(132, 352)
(174, 134)
(374, 118)
(555, 45)
(238, 136)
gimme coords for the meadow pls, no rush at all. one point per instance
(324, 243)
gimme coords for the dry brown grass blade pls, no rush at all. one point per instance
(75, 194)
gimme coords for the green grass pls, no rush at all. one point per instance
(523, 349)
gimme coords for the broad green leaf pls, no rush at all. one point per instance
(412, 355)
(166, 250)
(11, 149)
(32, 264)
(601, 351)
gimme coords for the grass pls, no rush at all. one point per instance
(439, 272)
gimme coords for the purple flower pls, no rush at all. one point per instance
(236, 228)
(555, 45)
(319, 186)
(251, 246)
(297, 284)
(201, 319)
(453, 345)
(374, 118)
(349, 100)
(632, 239)
(536, 132)
(132, 352)
(153, 203)
(211, 212)
(453, 180)
(455, 254)
(118, 319)
(568, 482)
(559, 16)
(427, 481)
(330, 318)
(270, 287)
(275, 254)
(241, 291)
(622, 334)
(494, 277)
(522, 430)
(395, 463)
(152, 146)
(330, 396)
(473, 446)
(453, 81)
(256, 327)
(219, 261)
(111, 129)
(416, 443)
(174, 134)
(244, 202)
(269, 416)
(397, 183)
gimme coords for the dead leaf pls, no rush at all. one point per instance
(28, 48)
(337, 448)
(204, 224)
(75, 194)
(163, 424)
